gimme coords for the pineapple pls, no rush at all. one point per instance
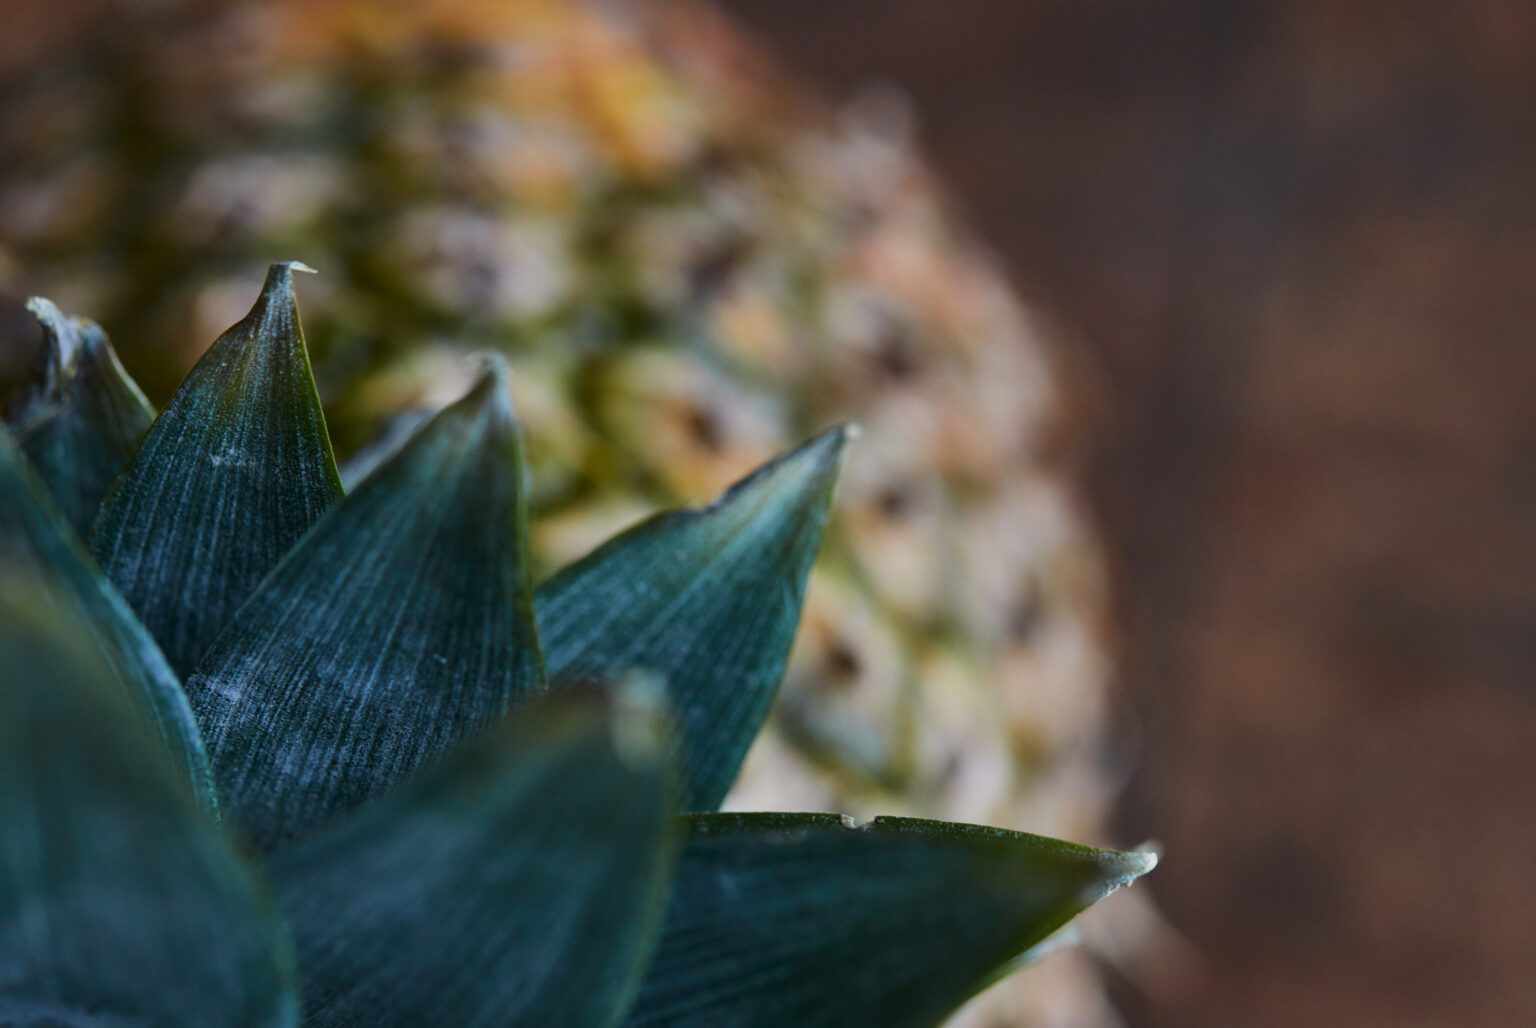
(272, 752)
(692, 266)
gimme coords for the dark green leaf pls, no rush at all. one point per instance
(520, 882)
(81, 417)
(35, 541)
(815, 921)
(227, 479)
(400, 624)
(120, 902)
(707, 599)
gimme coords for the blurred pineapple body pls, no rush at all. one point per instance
(691, 268)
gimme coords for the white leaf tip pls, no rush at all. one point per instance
(637, 724)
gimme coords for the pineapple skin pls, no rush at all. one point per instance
(691, 267)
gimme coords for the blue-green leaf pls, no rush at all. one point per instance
(34, 540)
(400, 624)
(81, 416)
(519, 882)
(120, 902)
(227, 479)
(819, 922)
(707, 599)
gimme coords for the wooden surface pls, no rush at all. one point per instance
(1298, 241)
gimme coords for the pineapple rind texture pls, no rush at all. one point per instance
(694, 267)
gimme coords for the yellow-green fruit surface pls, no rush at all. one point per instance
(691, 267)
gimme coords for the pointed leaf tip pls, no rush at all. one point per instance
(810, 920)
(60, 334)
(492, 390)
(227, 479)
(44, 309)
(708, 599)
(292, 266)
(79, 417)
(400, 624)
(1123, 868)
(810, 467)
(278, 287)
(273, 319)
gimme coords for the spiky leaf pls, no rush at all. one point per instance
(707, 599)
(120, 902)
(815, 921)
(227, 479)
(400, 624)
(35, 541)
(521, 882)
(81, 416)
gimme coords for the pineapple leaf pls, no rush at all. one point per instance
(34, 540)
(402, 622)
(709, 600)
(81, 416)
(120, 902)
(550, 835)
(227, 479)
(818, 921)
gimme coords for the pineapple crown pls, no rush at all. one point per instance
(271, 753)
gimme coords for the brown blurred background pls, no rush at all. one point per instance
(1297, 243)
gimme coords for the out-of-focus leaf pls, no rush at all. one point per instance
(81, 416)
(707, 599)
(519, 882)
(400, 624)
(121, 903)
(35, 541)
(227, 479)
(815, 921)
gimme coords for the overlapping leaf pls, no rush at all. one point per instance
(226, 480)
(81, 416)
(518, 881)
(814, 921)
(401, 623)
(521, 882)
(35, 541)
(120, 902)
(709, 600)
